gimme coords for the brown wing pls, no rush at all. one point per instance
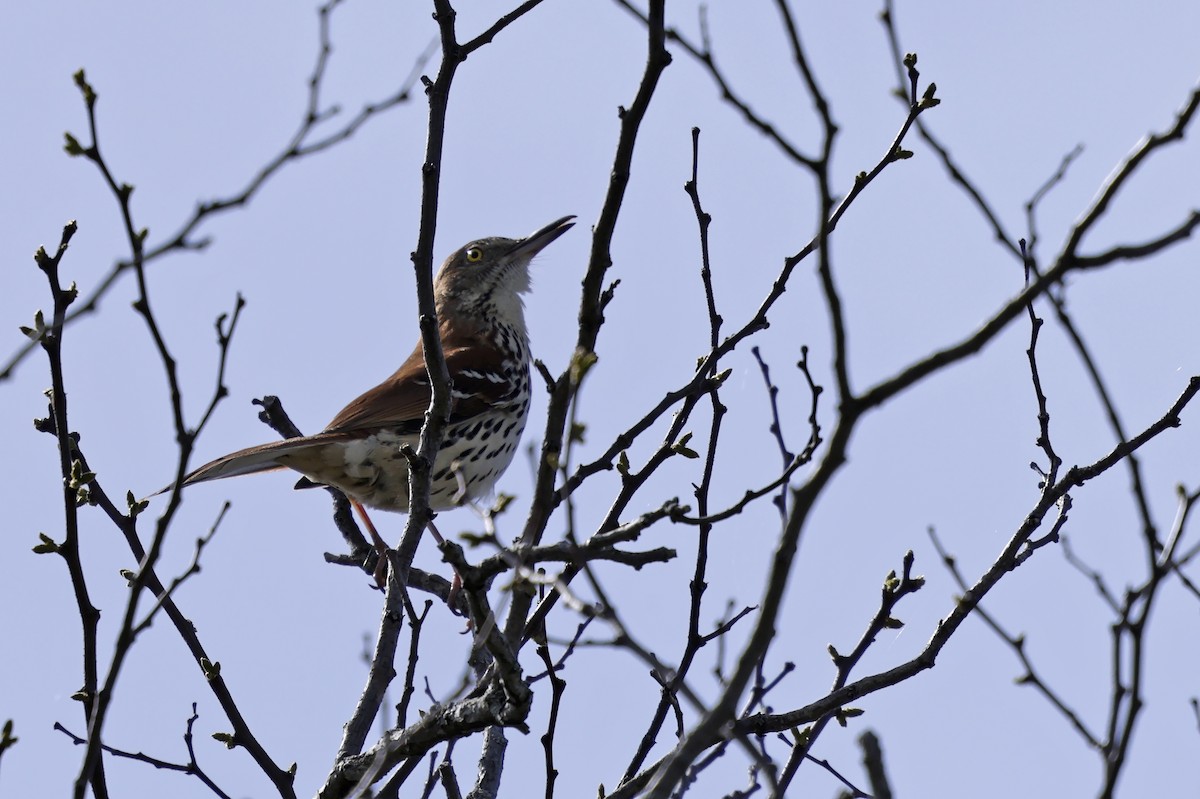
(479, 383)
(399, 400)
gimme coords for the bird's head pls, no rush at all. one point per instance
(484, 279)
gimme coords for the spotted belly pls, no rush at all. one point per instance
(373, 470)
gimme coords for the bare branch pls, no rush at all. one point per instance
(1075, 476)
(298, 147)
(1017, 644)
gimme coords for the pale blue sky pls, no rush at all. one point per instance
(193, 100)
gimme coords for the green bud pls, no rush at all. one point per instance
(72, 146)
(38, 331)
(845, 713)
(135, 506)
(680, 447)
(79, 476)
(89, 94)
(927, 98)
(211, 670)
(47, 545)
(7, 739)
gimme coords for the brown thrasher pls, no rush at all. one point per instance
(482, 326)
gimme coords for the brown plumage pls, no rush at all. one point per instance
(482, 325)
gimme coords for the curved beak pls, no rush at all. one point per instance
(535, 242)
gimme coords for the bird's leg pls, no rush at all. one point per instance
(436, 535)
(380, 545)
(461, 494)
(456, 499)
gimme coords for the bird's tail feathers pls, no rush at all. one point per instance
(262, 458)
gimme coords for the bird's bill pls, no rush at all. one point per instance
(535, 242)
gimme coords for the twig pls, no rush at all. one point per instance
(888, 18)
(449, 779)
(1093, 576)
(557, 687)
(1043, 415)
(1074, 477)
(796, 758)
(1017, 644)
(790, 461)
(1031, 205)
(591, 312)
(145, 577)
(702, 53)
(700, 382)
(873, 764)
(380, 673)
(298, 147)
(7, 739)
(192, 569)
(1124, 171)
(191, 768)
(361, 554)
(72, 470)
(895, 588)
(415, 623)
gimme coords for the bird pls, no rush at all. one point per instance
(481, 321)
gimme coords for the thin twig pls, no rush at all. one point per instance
(1016, 643)
(299, 146)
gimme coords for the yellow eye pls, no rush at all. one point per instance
(474, 255)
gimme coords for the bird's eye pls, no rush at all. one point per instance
(474, 255)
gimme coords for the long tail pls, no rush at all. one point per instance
(262, 458)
